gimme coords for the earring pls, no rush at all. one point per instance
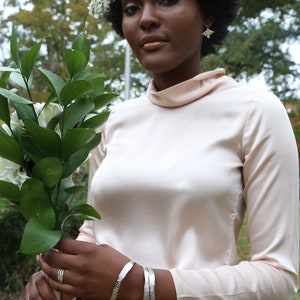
(208, 32)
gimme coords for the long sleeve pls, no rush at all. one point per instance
(271, 195)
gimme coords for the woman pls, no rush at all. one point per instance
(175, 172)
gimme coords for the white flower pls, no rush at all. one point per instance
(46, 114)
(12, 172)
(97, 7)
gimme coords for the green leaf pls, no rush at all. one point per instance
(74, 139)
(77, 158)
(97, 84)
(104, 99)
(54, 122)
(18, 79)
(84, 75)
(38, 239)
(14, 47)
(25, 111)
(51, 98)
(84, 212)
(11, 149)
(35, 152)
(49, 170)
(74, 90)
(47, 139)
(29, 60)
(74, 161)
(96, 121)
(75, 61)
(75, 189)
(54, 80)
(4, 108)
(9, 191)
(74, 113)
(62, 195)
(8, 69)
(36, 202)
(81, 44)
(5, 75)
(13, 97)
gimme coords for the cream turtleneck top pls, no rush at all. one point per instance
(172, 178)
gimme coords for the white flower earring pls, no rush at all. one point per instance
(208, 32)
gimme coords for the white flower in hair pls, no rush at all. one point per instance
(97, 7)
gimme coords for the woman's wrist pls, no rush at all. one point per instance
(126, 269)
(133, 284)
(164, 285)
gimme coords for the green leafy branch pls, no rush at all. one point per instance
(50, 154)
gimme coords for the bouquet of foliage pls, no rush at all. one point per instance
(42, 144)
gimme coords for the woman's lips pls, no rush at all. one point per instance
(152, 42)
(153, 45)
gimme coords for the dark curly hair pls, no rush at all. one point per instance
(222, 11)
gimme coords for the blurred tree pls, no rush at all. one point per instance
(57, 23)
(258, 43)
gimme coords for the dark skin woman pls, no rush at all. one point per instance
(175, 173)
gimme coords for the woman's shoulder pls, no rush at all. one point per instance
(253, 95)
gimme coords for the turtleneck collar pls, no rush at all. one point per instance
(190, 90)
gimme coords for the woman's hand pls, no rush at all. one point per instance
(90, 271)
(39, 289)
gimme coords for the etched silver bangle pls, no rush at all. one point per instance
(151, 284)
(122, 275)
(147, 284)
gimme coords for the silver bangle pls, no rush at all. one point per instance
(149, 287)
(122, 275)
(147, 284)
(152, 284)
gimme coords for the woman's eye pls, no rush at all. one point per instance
(130, 9)
(169, 2)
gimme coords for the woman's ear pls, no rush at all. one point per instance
(208, 22)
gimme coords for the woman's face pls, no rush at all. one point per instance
(165, 35)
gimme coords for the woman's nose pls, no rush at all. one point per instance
(149, 17)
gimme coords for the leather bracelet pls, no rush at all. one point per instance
(121, 276)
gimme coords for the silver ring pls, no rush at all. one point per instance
(60, 275)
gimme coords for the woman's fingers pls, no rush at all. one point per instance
(67, 252)
(59, 279)
(58, 259)
(38, 288)
(66, 297)
(89, 271)
(44, 290)
(70, 246)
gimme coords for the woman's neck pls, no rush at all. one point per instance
(162, 81)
